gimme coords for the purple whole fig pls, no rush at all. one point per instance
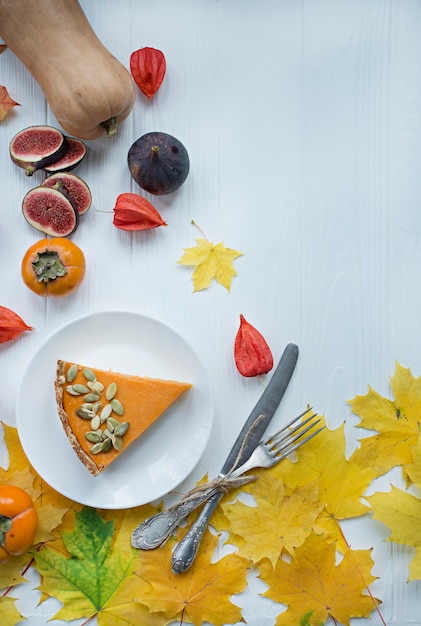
(36, 147)
(76, 152)
(49, 211)
(73, 187)
(158, 162)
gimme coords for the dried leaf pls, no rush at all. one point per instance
(313, 584)
(323, 459)
(11, 325)
(395, 421)
(10, 616)
(252, 354)
(202, 594)
(211, 262)
(401, 512)
(133, 212)
(148, 67)
(6, 102)
(280, 521)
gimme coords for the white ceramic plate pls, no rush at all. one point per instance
(169, 450)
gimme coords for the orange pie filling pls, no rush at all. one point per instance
(104, 412)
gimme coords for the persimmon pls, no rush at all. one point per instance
(18, 522)
(53, 267)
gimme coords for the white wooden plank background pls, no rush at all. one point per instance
(302, 119)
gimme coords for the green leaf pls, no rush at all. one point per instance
(85, 581)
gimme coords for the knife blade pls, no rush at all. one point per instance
(247, 440)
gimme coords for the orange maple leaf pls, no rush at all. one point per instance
(202, 594)
(6, 102)
(396, 422)
(314, 587)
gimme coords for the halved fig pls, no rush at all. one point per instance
(49, 211)
(73, 187)
(36, 147)
(76, 152)
(158, 162)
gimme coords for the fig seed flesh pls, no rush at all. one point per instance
(76, 152)
(49, 211)
(158, 162)
(73, 187)
(36, 147)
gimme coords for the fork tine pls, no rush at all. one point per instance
(287, 428)
(294, 434)
(286, 452)
(285, 432)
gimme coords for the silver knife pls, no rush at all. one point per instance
(249, 437)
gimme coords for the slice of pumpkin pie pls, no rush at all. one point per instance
(103, 412)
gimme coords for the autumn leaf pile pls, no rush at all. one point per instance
(287, 527)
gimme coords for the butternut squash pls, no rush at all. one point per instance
(88, 89)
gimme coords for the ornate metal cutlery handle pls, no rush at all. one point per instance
(155, 530)
(185, 552)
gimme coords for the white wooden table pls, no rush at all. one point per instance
(302, 119)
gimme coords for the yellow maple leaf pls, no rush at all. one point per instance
(323, 459)
(315, 586)
(412, 471)
(212, 261)
(281, 520)
(10, 616)
(401, 512)
(202, 594)
(395, 421)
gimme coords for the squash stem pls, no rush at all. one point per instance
(110, 126)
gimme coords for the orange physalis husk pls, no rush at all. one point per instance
(11, 325)
(251, 352)
(133, 212)
(148, 67)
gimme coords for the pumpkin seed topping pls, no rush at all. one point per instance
(95, 422)
(97, 448)
(106, 412)
(117, 406)
(95, 386)
(72, 392)
(121, 429)
(117, 442)
(106, 432)
(106, 445)
(91, 397)
(85, 414)
(89, 374)
(111, 391)
(80, 389)
(112, 424)
(93, 436)
(71, 373)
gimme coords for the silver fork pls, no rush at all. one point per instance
(272, 450)
(155, 530)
